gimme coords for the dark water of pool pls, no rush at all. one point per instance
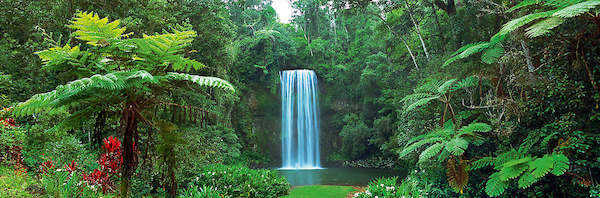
(336, 176)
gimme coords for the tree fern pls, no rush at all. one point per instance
(141, 71)
(91, 28)
(474, 127)
(524, 20)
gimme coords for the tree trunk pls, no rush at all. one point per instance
(129, 122)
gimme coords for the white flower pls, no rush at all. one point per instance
(381, 185)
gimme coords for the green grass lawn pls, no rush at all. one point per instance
(320, 191)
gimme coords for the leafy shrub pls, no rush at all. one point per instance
(65, 182)
(414, 185)
(70, 149)
(240, 181)
(204, 192)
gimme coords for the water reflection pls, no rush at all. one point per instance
(336, 176)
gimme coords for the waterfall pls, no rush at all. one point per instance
(299, 120)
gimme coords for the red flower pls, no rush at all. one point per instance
(47, 166)
(71, 167)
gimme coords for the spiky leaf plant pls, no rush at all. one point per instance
(135, 73)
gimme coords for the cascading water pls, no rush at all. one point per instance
(300, 120)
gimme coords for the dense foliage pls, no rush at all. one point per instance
(479, 98)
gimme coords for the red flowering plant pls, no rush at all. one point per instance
(110, 163)
(11, 141)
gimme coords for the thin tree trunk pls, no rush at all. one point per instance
(403, 41)
(418, 30)
(410, 52)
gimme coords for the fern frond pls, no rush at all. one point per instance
(541, 166)
(526, 180)
(506, 157)
(163, 50)
(492, 55)
(89, 27)
(446, 86)
(430, 86)
(64, 94)
(414, 97)
(561, 164)
(470, 81)
(494, 186)
(473, 49)
(431, 151)
(543, 27)
(520, 22)
(474, 127)
(483, 162)
(457, 146)
(419, 103)
(416, 145)
(202, 80)
(577, 9)
(58, 55)
(511, 172)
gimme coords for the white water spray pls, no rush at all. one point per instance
(300, 120)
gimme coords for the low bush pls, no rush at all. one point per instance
(203, 192)
(241, 181)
